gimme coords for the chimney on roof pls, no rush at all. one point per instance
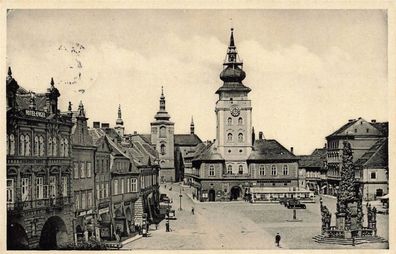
(134, 132)
(292, 150)
(96, 125)
(373, 121)
(351, 120)
(260, 135)
(105, 125)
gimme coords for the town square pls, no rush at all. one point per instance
(228, 129)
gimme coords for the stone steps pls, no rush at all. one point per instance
(348, 241)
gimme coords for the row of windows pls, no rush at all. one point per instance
(230, 121)
(147, 181)
(82, 169)
(333, 155)
(102, 165)
(120, 188)
(102, 190)
(313, 174)
(122, 165)
(38, 190)
(25, 146)
(230, 137)
(83, 199)
(274, 170)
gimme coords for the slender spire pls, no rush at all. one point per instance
(52, 81)
(69, 108)
(162, 114)
(81, 111)
(232, 43)
(119, 119)
(192, 126)
(162, 100)
(9, 71)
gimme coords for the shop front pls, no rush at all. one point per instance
(104, 223)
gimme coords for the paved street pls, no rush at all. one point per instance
(240, 225)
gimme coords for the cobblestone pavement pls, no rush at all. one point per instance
(241, 225)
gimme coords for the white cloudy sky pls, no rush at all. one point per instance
(309, 70)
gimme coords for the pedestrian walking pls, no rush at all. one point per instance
(192, 210)
(277, 239)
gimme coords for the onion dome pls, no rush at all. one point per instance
(232, 74)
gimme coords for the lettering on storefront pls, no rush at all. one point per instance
(35, 113)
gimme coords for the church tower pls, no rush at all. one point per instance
(233, 113)
(120, 129)
(162, 136)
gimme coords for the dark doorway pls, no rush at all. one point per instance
(53, 234)
(235, 193)
(16, 237)
(379, 193)
(212, 195)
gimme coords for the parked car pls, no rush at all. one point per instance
(294, 203)
(283, 200)
(164, 198)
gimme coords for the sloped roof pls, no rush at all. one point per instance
(270, 149)
(344, 127)
(376, 157)
(383, 127)
(97, 136)
(187, 139)
(23, 101)
(208, 153)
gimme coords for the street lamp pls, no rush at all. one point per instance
(180, 196)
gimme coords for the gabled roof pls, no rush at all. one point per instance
(270, 149)
(208, 153)
(23, 101)
(187, 139)
(382, 127)
(376, 157)
(344, 127)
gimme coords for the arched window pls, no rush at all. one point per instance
(273, 170)
(229, 169)
(229, 121)
(240, 121)
(12, 144)
(66, 147)
(285, 170)
(49, 146)
(211, 170)
(22, 145)
(27, 144)
(8, 144)
(229, 137)
(240, 169)
(262, 170)
(41, 141)
(54, 147)
(163, 149)
(36, 146)
(162, 132)
(62, 151)
(240, 137)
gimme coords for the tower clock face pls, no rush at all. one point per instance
(235, 111)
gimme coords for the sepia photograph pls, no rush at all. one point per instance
(196, 129)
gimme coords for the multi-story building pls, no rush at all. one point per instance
(232, 164)
(83, 153)
(312, 171)
(102, 175)
(39, 183)
(362, 135)
(162, 137)
(372, 170)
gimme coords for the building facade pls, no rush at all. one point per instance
(162, 137)
(236, 161)
(83, 153)
(362, 135)
(39, 174)
(312, 171)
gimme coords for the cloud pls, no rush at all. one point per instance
(298, 96)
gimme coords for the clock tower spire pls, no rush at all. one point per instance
(233, 111)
